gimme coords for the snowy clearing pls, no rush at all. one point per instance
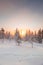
(10, 54)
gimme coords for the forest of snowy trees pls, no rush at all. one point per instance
(37, 37)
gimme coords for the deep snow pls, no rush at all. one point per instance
(11, 54)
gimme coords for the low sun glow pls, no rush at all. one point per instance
(22, 33)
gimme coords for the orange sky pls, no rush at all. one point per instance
(22, 32)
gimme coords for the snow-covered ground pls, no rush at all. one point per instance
(11, 54)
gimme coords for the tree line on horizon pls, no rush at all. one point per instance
(31, 37)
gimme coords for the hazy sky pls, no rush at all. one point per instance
(21, 14)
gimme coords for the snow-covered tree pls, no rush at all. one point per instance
(39, 36)
(2, 34)
(7, 35)
(17, 37)
(42, 34)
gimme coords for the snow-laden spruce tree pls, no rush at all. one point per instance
(17, 37)
(42, 33)
(39, 36)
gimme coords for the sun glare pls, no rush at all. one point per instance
(22, 33)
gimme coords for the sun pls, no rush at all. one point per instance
(22, 33)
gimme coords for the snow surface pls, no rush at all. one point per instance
(11, 54)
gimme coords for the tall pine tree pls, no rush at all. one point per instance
(39, 36)
(42, 34)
